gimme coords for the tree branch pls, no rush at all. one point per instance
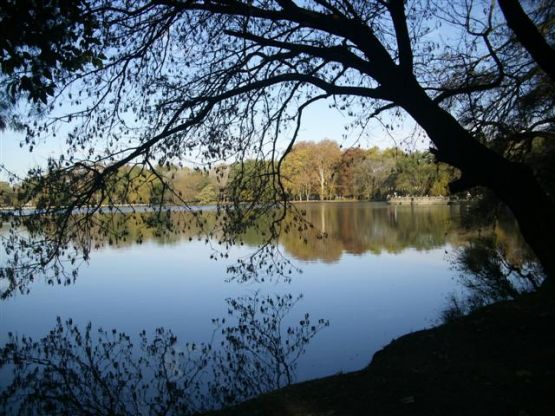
(384, 69)
(397, 11)
(334, 53)
(529, 36)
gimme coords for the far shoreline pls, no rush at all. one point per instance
(402, 200)
(408, 200)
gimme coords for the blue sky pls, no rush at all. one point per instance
(319, 122)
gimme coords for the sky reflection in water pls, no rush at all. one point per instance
(368, 298)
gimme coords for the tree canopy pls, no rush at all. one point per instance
(149, 83)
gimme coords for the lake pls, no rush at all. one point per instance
(369, 272)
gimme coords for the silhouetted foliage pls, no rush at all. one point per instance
(82, 371)
(259, 354)
(493, 266)
(44, 41)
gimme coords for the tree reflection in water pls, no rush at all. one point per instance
(497, 265)
(100, 372)
(361, 227)
(324, 232)
(33, 246)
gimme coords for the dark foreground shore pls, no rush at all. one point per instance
(499, 360)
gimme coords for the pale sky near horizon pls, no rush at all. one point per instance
(319, 122)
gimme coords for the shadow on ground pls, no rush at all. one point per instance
(499, 360)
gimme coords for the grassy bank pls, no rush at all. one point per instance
(499, 360)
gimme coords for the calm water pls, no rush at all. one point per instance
(382, 271)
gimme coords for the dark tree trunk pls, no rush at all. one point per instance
(512, 182)
(529, 36)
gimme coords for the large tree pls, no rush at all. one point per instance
(230, 79)
(299, 172)
(350, 160)
(327, 157)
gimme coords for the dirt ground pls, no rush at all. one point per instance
(499, 360)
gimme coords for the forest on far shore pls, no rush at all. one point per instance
(311, 171)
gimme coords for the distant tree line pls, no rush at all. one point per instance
(324, 171)
(132, 185)
(7, 194)
(311, 171)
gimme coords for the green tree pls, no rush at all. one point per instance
(7, 195)
(187, 183)
(207, 195)
(350, 160)
(373, 175)
(414, 174)
(326, 159)
(298, 171)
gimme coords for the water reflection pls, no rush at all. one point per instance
(496, 265)
(77, 370)
(322, 231)
(253, 350)
(259, 354)
(42, 246)
(358, 228)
